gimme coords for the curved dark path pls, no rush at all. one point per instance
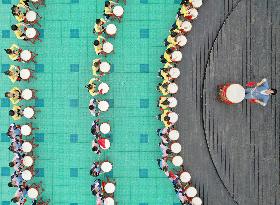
(232, 152)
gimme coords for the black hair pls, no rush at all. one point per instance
(8, 51)
(274, 91)
(7, 94)
(96, 43)
(10, 184)
(15, 199)
(11, 164)
(7, 72)
(14, 27)
(91, 107)
(97, 21)
(173, 34)
(96, 64)
(94, 149)
(169, 50)
(107, 3)
(166, 118)
(168, 151)
(11, 113)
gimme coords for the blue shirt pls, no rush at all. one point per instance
(258, 93)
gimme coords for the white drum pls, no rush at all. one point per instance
(28, 112)
(196, 3)
(174, 73)
(193, 12)
(105, 67)
(103, 105)
(30, 33)
(26, 175)
(109, 201)
(191, 192)
(174, 135)
(118, 11)
(108, 47)
(196, 201)
(26, 130)
(31, 16)
(106, 166)
(185, 177)
(172, 88)
(26, 147)
(181, 40)
(173, 117)
(25, 74)
(34, 1)
(172, 102)
(176, 56)
(27, 161)
(111, 29)
(32, 193)
(105, 128)
(176, 148)
(110, 188)
(27, 94)
(25, 55)
(103, 88)
(186, 26)
(235, 93)
(177, 161)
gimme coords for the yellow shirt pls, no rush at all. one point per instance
(23, 2)
(14, 70)
(171, 40)
(92, 90)
(184, 10)
(94, 68)
(167, 57)
(98, 27)
(16, 92)
(20, 17)
(16, 109)
(161, 100)
(164, 75)
(13, 56)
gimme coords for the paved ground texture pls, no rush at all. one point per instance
(232, 151)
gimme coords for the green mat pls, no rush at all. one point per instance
(64, 67)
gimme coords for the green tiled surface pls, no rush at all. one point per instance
(64, 122)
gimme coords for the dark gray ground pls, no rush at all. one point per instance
(231, 151)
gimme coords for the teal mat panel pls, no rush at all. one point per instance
(64, 68)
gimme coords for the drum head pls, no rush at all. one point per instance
(235, 93)
(28, 112)
(26, 175)
(30, 33)
(176, 56)
(111, 29)
(177, 161)
(118, 11)
(25, 55)
(25, 130)
(196, 201)
(32, 193)
(186, 26)
(172, 102)
(103, 105)
(172, 88)
(181, 40)
(25, 74)
(196, 3)
(26, 147)
(105, 67)
(26, 94)
(109, 201)
(110, 188)
(103, 88)
(185, 177)
(174, 72)
(105, 128)
(173, 117)
(27, 161)
(106, 166)
(176, 148)
(108, 47)
(191, 192)
(173, 135)
(31, 16)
